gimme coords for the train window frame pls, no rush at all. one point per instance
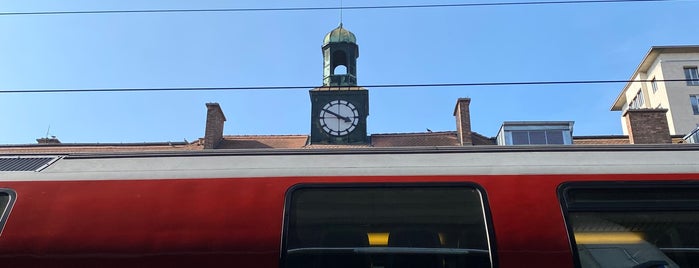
(664, 206)
(7, 208)
(485, 206)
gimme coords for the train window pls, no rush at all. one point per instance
(633, 224)
(7, 199)
(386, 226)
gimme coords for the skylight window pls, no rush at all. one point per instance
(536, 133)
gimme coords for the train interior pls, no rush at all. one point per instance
(638, 225)
(396, 227)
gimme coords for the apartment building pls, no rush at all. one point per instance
(666, 78)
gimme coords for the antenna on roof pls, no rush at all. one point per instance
(47, 131)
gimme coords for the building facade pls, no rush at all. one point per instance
(666, 78)
(660, 105)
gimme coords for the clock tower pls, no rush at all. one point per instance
(339, 108)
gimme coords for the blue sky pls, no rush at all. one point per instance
(397, 46)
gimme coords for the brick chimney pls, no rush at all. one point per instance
(647, 126)
(214, 125)
(463, 121)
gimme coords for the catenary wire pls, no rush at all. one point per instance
(480, 4)
(521, 83)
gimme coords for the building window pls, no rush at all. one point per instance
(633, 224)
(692, 76)
(694, 100)
(654, 85)
(386, 226)
(535, 133)
(692, 137)
(537, 137)
(638, 101)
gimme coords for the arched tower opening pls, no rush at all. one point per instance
(340, 63)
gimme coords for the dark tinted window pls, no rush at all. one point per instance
(7, 198)
(520, 137)
(537, 137)
(386, 227)
(4, 199)
(625, 224)
(554, 137)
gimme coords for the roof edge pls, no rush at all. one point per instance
(646, 62)
(166, 143)
(398, 150)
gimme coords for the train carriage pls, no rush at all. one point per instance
(446, 207)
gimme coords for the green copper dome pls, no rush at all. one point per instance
(339, 35)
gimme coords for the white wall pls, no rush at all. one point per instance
(673, 96)
(681, 118)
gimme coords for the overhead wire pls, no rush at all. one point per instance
(479, 4)
(520, 83)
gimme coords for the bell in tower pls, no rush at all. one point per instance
(340, 53)
(339, 108)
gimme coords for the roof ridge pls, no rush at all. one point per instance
(263, 136)
(415, 133)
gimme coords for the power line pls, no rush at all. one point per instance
(528, 3)
(484, 84)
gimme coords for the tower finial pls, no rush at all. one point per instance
(340, 13)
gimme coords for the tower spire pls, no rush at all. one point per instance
(340, 13)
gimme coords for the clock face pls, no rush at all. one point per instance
(339, 117)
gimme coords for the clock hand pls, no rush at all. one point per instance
(346, 119)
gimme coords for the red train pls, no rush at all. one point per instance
(560, 206)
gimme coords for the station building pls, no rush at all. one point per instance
(656, 109)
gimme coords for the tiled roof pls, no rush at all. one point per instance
(613, 139)
(66, 148)
(601, 140)
(478, 139)
(446, 138)
(442, 138)
(424, 139)
(263, 141)
(336, 146)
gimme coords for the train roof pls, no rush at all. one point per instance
(403, 161)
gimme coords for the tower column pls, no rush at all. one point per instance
(340, 49)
